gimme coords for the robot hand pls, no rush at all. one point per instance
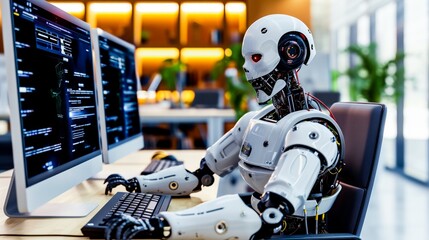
(114, 180)
(124, 226)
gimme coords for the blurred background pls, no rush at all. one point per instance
(188, 57)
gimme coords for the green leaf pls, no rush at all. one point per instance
(368, 78)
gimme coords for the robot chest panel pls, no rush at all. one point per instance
(263, 143)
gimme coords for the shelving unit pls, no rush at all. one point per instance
(149, 59)
(196, 32)
(163, 29)
(113, 17)
(201, 24)
(156, 24)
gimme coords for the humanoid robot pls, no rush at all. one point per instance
(289, 152)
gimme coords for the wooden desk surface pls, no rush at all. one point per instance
(93, 190)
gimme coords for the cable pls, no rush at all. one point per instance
(317, 218)
(323, 104)
(296, 75)
(305, 219)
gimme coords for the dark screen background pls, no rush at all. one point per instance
(56, 91)
(120, 91)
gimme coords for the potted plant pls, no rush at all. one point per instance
(239, 90)
(173, 73)
(371, 79)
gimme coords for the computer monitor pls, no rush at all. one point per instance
(117, 85)
(208, 98)
(53, 112)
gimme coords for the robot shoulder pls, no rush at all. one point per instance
(319, 132)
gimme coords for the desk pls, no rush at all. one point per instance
(93, 190)
(214, 118)
(4, 123)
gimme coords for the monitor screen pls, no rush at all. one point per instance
(52, 98)
(117, 86)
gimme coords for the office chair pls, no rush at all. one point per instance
(363, 126)
(327, 97)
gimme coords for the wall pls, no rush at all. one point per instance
(297, 8)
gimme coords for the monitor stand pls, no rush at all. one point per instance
(48, 210)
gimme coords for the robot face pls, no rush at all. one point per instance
(272, 46)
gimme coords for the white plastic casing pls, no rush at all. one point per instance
(176, 181)
(222, 156)
(266, 141)
(262, 37)
(226, 217)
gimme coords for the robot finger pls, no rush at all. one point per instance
(110, 187)
(128, 232)
(134, 231)
(121, 227)
(113, 184)
(111, 224)
(131, 229)
(129, 223)
(112, 177)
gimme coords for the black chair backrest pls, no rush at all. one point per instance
(327, 97)
(362, 125)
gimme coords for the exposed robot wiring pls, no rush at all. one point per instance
(317, 219)
(305, 219)
(323, 104)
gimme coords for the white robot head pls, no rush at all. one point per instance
(273, 45)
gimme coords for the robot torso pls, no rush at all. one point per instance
(263, 143)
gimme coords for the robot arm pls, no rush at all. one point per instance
(220, 159)
(227, 217)
(310, 150)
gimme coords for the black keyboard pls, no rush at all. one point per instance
(139, 205)
(157, 165)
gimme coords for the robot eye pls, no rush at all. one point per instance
(256, 57)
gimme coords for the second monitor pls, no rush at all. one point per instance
(117, 86)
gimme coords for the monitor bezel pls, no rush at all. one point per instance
(30, 198)
(133, 143)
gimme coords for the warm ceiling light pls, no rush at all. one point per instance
(110, 7)
(157, 7)
(228, 52)
(70, 7)
(188, 53)
(233, 7)
(158, 53)
(202, 7)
